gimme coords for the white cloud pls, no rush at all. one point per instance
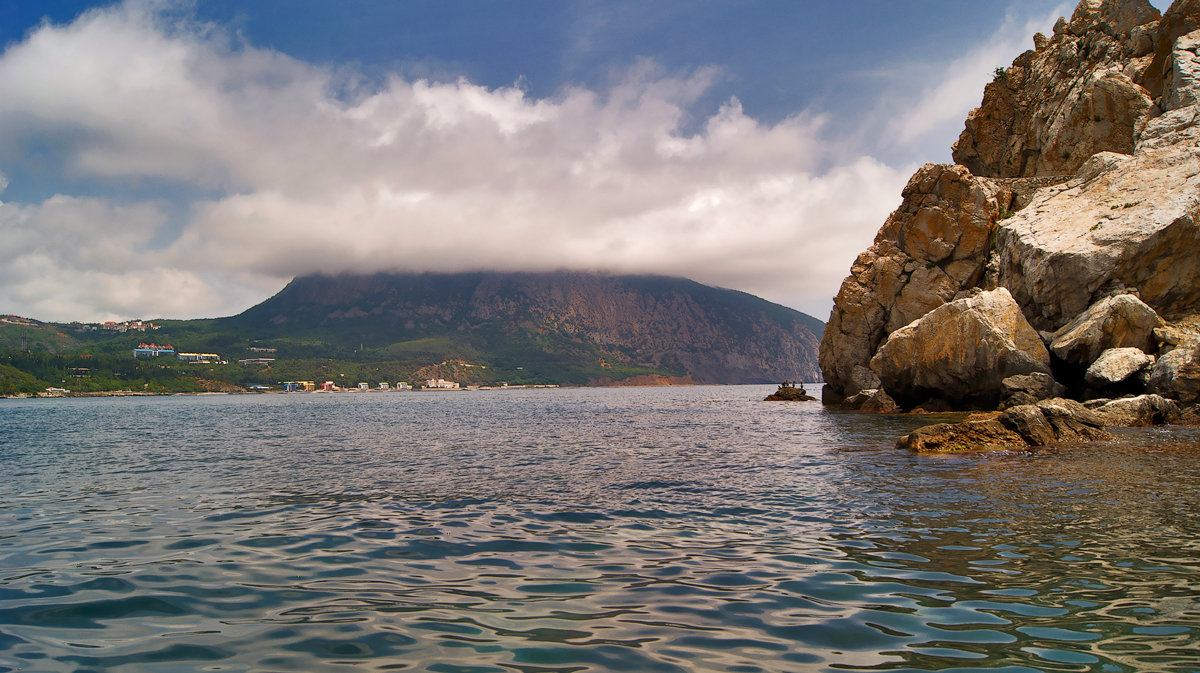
(410, 175)
(937, 111)
(73, 258)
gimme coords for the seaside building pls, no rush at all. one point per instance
(328, 387)
(441, 384)
(152, 350)
(384, 386)
(364, 386)
(403, 385)
(198, 357)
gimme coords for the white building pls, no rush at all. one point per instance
(441, 384)
(198, 357)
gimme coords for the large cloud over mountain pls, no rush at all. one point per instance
(273, 167)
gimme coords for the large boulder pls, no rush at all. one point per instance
(1176, 374)
(1129, 215)
(961, 351)
(1116, 366)
(1123, 321)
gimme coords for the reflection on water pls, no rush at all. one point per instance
(682, 529)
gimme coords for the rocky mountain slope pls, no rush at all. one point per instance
(602, 324)
(1058, 255)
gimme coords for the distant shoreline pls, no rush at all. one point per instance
(132, 393)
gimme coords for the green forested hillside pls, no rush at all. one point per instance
(554, 328)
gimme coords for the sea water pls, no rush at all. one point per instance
(534, 531)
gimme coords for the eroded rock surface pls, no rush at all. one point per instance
(1074, 95)
(1126, 222)
(1176, 374)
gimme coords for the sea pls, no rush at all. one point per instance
(579, 530)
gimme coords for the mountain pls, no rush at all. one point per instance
(561, 327)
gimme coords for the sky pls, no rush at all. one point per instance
(174, 159)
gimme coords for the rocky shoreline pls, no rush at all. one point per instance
(1050, 277)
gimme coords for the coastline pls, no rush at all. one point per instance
(538, 386)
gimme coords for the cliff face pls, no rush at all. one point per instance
(1075, 94)
(1077, 179)
(683, 328)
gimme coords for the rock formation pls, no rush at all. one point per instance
(961, 350)
(1076, 196)
(788, 392)
(1053, 421)
(930, 249)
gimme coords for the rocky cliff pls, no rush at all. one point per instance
(1067, 228)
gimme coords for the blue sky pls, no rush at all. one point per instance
(175, 159)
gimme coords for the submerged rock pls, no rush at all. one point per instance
(1143, 410)
(978, 431)
(1072, 422)
(1048, 423)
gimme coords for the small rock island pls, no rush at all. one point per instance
(1049, 277)
(789, 392)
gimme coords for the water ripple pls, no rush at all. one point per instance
(539, 531)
